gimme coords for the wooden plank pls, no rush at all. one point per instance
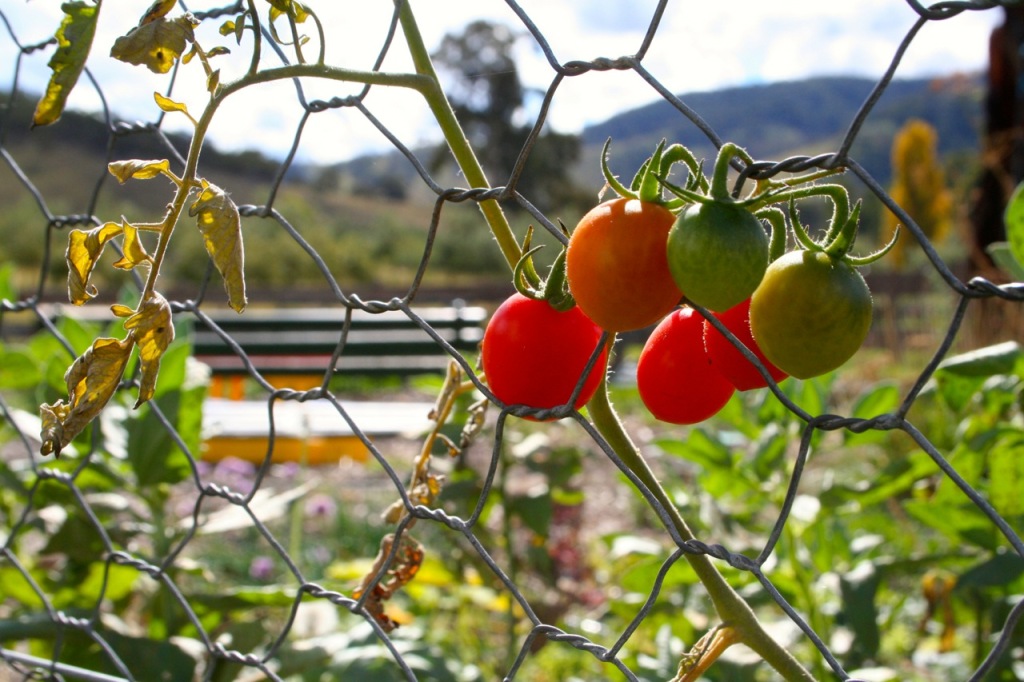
(313, 432)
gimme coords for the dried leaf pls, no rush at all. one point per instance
(138, 169)
(157, 10)
(91, 382)
(153, 332)
(169, 105)
(84, 249)
(134, 252)
(156, 44)
(74, 40)
(406, 564)
(221, 226)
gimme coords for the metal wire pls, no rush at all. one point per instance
(160, 569)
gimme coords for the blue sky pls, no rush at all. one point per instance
(699, 46)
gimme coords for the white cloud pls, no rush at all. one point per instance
(699, 46)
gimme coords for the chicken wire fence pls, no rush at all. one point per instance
(42, 483)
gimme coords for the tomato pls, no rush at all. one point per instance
(676, 380)
(811, 313)
(717, 253)
(535, 355)
(616, 264)
(728, 359)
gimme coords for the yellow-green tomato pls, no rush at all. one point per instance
(810, 313)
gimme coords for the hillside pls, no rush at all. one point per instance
(810, 116)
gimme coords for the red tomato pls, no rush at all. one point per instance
(676, 380)
(728, 360)
(535, 355)
(617, 266)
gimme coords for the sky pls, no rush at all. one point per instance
(699, 46)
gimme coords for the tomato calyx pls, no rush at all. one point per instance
(653, 173)
(841, 234)
(555, 288)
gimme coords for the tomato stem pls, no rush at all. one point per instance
(609, 178)
(720, 179)
(732, 609)
(776, 219)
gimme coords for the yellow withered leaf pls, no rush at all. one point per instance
(74, 40)
(221, 227)
(134, 252)
(155, 44)
(138, 169)
(152, 332)
(91, 382)
(84, 249)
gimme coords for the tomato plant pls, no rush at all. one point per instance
(616, 261)
(728, 359)
(812, 311)
(676, 379)
(534, 355)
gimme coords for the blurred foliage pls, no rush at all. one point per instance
(919, 187)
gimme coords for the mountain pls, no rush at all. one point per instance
(805, 117)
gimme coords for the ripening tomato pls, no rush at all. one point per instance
(535, 355)
(616, 264)
(811, 313)
(676, 380)
(717, 253)
(728, 359)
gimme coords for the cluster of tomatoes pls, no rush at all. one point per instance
(633, 260)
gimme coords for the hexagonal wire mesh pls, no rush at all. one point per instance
(40, 484)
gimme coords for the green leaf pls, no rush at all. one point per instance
(1001, 358)
(1006, 473)
(859, 588)
(152, 453)
(961, 523)
(8, 292)
(700, 449)
(1003, 257)
(959, 377)
(156, 44)
(879, 399)
(1013, 217)
(18, 370)
(1002, 569)
(534, 510)
(74, 40)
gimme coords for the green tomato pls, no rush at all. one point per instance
(717, 254)
(810, 313)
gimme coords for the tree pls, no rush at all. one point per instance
(488, 97)
(919, 186)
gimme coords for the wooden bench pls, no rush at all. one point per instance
(293, 346)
